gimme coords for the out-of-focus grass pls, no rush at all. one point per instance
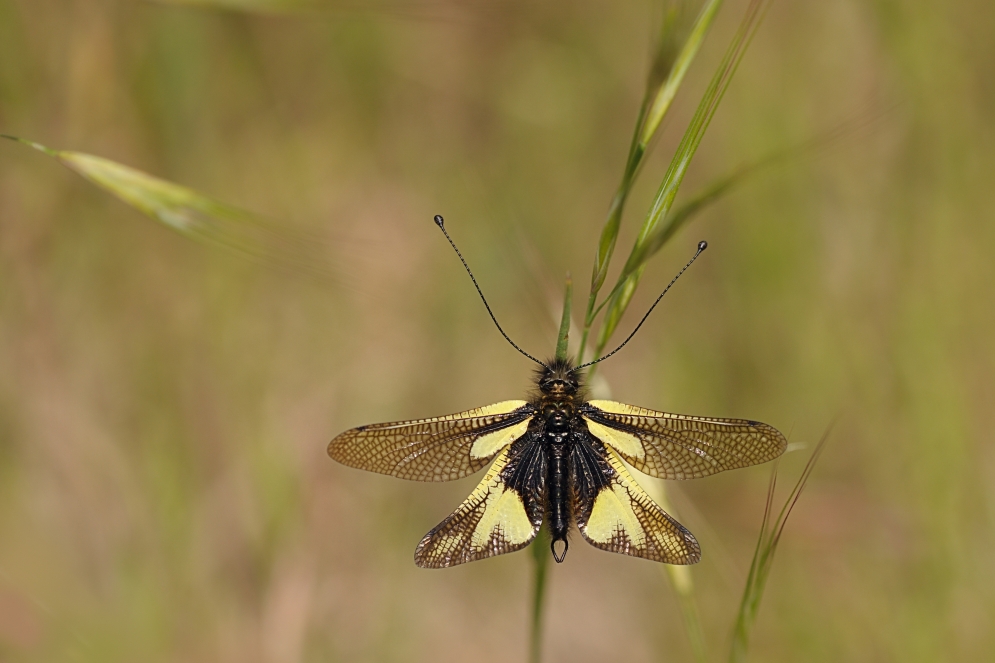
(200, 217)
(763, 556)
(656, 228)
(678, 43)
(164, 408)
(671, 63)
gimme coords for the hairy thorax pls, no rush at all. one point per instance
(559, 398)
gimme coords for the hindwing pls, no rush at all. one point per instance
(615, 514)
(677, 446)
(501, 515)
(437, 449)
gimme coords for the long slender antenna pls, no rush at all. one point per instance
(439, 221)
(701, 247)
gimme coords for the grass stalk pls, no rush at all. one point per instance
(713, 192)
(540, 558)
(763, 556)
(663, 202)
(677, 46)
(661, 90)
(563, 337)
(540, 547)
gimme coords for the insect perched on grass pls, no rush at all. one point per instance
(557, 457)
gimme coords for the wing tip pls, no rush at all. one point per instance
(335, 448)
(423, 563)
(782, 441)
(338, 443)
(694, 548)
(425, 560)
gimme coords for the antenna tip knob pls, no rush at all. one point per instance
(439, 220)
(702, 245)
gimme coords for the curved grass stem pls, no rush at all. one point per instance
(763, 556)
(678, 43)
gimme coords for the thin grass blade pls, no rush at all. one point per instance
(763, 556)
(667, 192)
(672, 63)
(563, 337)
(677, 46)
(744, 617)
(200, 217)
(540, 559)
(687, 211)
(679, 42)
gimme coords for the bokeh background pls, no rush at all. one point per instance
(165, 406)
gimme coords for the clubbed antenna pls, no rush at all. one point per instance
(702, 245)
(439, 221)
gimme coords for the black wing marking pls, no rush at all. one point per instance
(438, 449)
(677, 446)
(615, 514)
(501, 515)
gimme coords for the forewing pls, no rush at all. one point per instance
(439, 449)
(677, 446)
(501, 515)
(615, 514)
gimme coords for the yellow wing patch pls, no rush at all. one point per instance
(613, 515)
(679, 446)
(490, 443)
(504, 407)
(504, 516)
(624, 519)
(628, 444)
(493, 520)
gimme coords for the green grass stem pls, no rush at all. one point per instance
(667, 192)
(763, 556)
(540, 558)
(677, 46)
(563, 337)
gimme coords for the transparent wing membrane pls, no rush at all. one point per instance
(677, 446)
(438, 449)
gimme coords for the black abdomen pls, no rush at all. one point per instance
(559, 501)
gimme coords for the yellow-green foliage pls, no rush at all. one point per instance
(165, 406)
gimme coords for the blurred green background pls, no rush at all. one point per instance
(165, 406)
